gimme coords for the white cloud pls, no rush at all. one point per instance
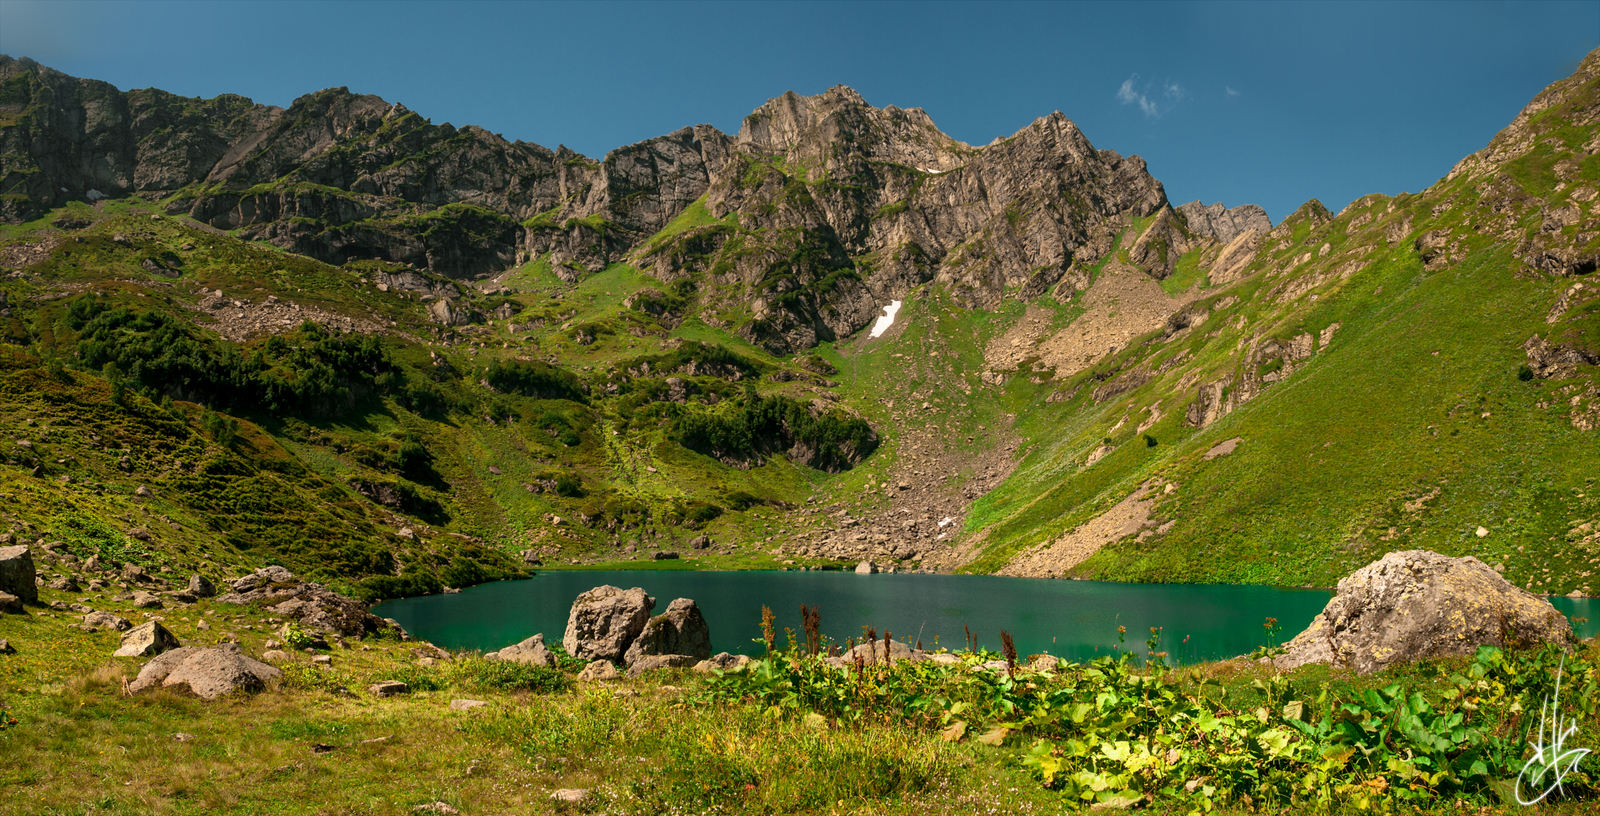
(1127, 96)
(1175, 91)
(1231, 91)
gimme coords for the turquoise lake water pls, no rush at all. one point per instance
(1072, 619)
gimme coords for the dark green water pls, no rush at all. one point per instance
(1073, 619)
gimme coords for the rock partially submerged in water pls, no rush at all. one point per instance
(1415, 604)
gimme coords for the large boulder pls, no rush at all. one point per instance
(146, 639)
(604, 622)
(207, 673)
(681, 630)
(1415, 604)
(531, 651)
(17, 573)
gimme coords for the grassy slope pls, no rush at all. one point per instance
(1416, 397)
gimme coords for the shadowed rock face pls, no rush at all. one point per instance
(1414, 604)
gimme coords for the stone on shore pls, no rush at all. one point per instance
(681, 630)
(604, 622)
(531, 652)
(1415, 604)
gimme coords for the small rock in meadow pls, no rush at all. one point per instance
(668, 661)
(146, 639)
(466, 705)
(599, 670)
(10, 604)
(202, 625)
(200, 587)
(7, 648)
(531, 651)
(434, 807)
(388, 688)
(322, 660)
(570, 795)
(64, 584)
(146, 600)
(722, 660)
(276, 656)
(106, 620)
(182, 737)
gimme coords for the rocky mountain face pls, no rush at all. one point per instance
(478, 354)
(825, 208)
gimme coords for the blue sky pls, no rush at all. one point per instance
(1256, 102)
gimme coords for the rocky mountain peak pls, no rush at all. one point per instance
(806, 129)
(1221, 223)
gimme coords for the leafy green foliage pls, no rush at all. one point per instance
(755, 426)
(1112, 731)
(535, 379)
(305, 373)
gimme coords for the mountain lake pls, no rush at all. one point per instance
(1077, 620)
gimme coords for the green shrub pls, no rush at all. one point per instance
(535, 379)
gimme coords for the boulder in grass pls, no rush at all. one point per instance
(7, 648)
(531, 652)
(599, 670)
(1415, 604)
(200, 587)
(10, 604)
(146, 639)
(723, 661)
(17, 573)
(604, 622)
(207, 673)
(106, 620)
(388, 688)
(666, 661)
